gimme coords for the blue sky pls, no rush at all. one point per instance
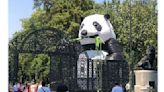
(19, 9)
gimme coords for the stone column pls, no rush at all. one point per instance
(144, 79)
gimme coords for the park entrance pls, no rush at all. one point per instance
(66, 64)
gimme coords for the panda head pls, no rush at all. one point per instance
(93, 26)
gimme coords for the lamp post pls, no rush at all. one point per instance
(131, 52)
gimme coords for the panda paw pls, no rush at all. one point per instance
(115, 56)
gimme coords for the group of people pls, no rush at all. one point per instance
(43, 87)
(30, 87)
(36, 87)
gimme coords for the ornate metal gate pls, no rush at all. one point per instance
(93, 74)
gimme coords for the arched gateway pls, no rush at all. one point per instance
(63, 54)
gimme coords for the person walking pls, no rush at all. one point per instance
(117, 88)
(43, 88)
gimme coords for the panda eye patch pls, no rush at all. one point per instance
(97, 26)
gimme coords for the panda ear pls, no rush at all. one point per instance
(107, 16)
(81, 19)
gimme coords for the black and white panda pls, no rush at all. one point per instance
(99, 25)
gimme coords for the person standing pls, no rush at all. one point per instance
(26, 88)
(19, 86)
(33, 87)
(62, 87)
(117, 88)
(127, 87)
(43, 88)
(40, 84)
(15, 87)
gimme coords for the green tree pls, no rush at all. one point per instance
(142, 18)
(65, 14)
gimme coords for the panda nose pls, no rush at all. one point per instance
(84, 32)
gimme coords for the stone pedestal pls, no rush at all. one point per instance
(145, 80)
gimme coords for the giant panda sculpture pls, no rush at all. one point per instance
(115, 68)
(99, 25)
